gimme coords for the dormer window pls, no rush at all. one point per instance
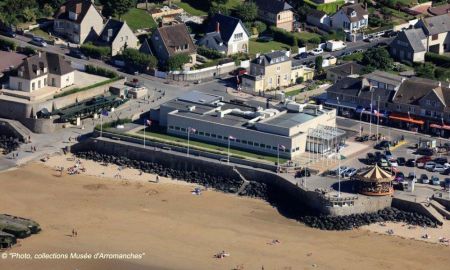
(73, 16)
(353, 14)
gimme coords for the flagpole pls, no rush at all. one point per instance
(360, 124)
(339, 172)
(145, 120)
(371, 111)
(101, 124)
(378, 117)
(189, 132)
(278, 158)
(228, 159)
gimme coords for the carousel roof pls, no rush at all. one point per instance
(375, 174)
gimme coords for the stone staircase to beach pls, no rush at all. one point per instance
(433, 212)
(440, 208)
(244, 184)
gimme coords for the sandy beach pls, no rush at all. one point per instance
(167, 227)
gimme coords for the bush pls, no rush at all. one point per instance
(177, 61)
(6, 44)
(209, 53)
(93, 51)
(284, 36)
(260, 26)
(438, 60)
(299, 80)
(314, 40)
(133, 58)
(101, 71)
(27, 50)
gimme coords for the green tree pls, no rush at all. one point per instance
(177, 61)
(260, 26)
(140, 61)
(47, 10)
(247, 11)
(426, 70)
(377, 58)
(318, 64)
(116, 7)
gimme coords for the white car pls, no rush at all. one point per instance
(316, 51)
(439, 168)
(429, 166)
(393, 163)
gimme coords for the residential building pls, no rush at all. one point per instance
(409, 45)
(78, 21)
(276, 12)
(350, 18)
(287, 131)
(348, 69)
(226, 34)
(169, 40)
(319, 19)
(428, 35)
(268, 71)
(42, 70)
(117, 35)
(301, 71)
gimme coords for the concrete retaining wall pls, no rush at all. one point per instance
(444, 201)
(413, 207)
(204, 74)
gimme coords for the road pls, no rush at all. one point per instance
(351, 47)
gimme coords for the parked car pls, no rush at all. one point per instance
(363, 138)
(447, 183)
(301, 173)
(78, 54)
(383, 163)
(410, 163)
(424, 152)
(401, 161)
(424, 179)
(388, 155)
(393, 163)
(350, 172)
(441, 160)
(429, 166)
(439, 168)
(37, 41)
(302, 55)
(399, 176)
(316, 51)
(446, 171)
(9, 33)
(412, 176)
(383, 145)
(342, 170)
(435, 181)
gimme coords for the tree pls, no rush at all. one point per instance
(318, 64)
(377, 58)
(426, 70)
(116, 7)
(177, 61)
(260, 26)
(140, 61)
(247, 11)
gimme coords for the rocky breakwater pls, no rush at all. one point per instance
(217, 181)
(9, 144)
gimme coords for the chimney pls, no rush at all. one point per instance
(217, 27)
(78, 8)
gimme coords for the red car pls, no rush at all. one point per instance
(423, 159)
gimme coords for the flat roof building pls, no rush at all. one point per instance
(284, 129)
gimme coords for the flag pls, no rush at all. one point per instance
(377, 113)
(192, 130)
(282, 147)
(148, 122)
(104, 112)
(231, 137)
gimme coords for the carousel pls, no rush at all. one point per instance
(375, 182)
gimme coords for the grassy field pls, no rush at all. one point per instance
(294, 92)
(163, 137)
(138, 19)
(263, 47)
(353, 57)
(191, 10)
(307, 35)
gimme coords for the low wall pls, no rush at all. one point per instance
(208, 73)
(44, 126)
(444, 201)
(416, 207)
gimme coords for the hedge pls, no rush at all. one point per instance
(328, 8)
(101, 71)
(438, 60)
(6, 44)
(286, 37)
(77, 90)
(209, 53)
(93, 51)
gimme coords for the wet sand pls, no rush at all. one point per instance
(174, 229)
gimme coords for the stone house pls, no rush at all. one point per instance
(117, 35)
(276, 12)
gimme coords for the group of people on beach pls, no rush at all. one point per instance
(74, 233)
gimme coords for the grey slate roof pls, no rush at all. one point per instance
(54, 63)
(273, 6)
(227, 25)
(384, 77)
(414, 89)
(358, 8)
(110, 31)
(437, 24)
(146, 48)
(214, 41)
(316, 13)
(415, 37)
(271, 58)
(347, 69)
(349, 86)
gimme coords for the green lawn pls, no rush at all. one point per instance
(231, 4)
(191, 10)
(353, 57)
(138, 19)
(307, 35)
(294, 92)
(41, 33)
(264, 47)
(163, 137)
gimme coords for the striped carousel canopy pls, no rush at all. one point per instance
(375, 174)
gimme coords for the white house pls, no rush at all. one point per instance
(42, 70)
(318, 18)
(117, 35)
(78, 21)
(226, 34)
(350, 18)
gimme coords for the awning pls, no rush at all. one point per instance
(341, 104)
(440, 126)
(407, 119)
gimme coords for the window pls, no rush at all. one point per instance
(268, 146)
(256, 144)
(238, 141)
(170, 127)
(428, 102)
(435, 37)
(285, 77)
(183, 129)
(219, 137)
(201, 133)
(213, 135)
(177, 128)
(207, 134)
(278, 68)
(262, 145)
(20, 86)
(250, 142)
(244, 141)
(45, 81)
(238, 36)
(33, 86)
(279, 17)
(274, 148)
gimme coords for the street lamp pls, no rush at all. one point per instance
(360, 122)
(189, 130)
(339, 171)
(229, 139)
(278, 155)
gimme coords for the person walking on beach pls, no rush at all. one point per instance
(73, 232)
(157, 179)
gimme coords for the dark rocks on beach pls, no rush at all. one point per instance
(9, 144)
(270, 193)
